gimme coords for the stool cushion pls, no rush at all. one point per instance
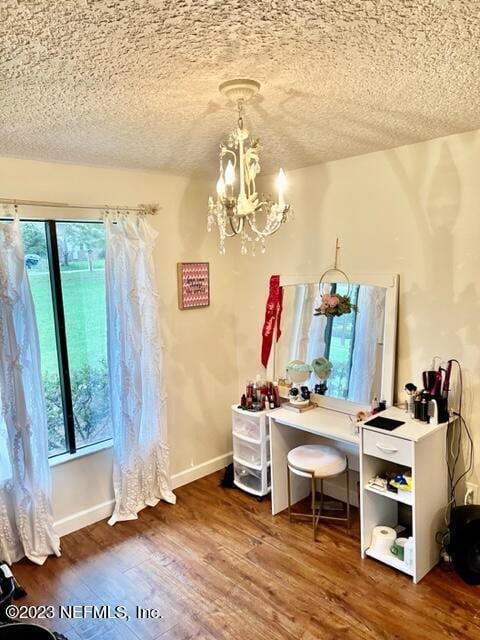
(319, 459)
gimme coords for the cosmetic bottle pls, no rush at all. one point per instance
(424, 417)
(417, 406)
(258, 384)
(408, 552)
(276, 396)
(411, 405)
(243, 402)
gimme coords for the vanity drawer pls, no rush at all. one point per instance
(387, 447)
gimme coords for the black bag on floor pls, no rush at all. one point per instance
(227, 481)
(25, 631)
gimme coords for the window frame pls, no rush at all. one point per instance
(60, 336)
(55, 275)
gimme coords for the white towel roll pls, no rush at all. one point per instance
(382, 539)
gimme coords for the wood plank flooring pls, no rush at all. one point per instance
(218, 565)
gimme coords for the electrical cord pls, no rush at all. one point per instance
(456, 438)
(470, 462)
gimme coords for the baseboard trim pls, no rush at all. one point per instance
(104, 510)
(201, 470)
(337, 492)
(83, 518)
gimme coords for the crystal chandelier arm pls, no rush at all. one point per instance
(275, 218)
(267, 231)
(252, 167)
(238, 229)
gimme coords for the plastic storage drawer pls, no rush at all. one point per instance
(247, 426)
(248, 452)
(248, 479)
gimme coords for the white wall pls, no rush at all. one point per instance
(200, 356)
(414, 211)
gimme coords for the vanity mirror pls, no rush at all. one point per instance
(353, 354)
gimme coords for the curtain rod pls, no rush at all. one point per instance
(149, 209)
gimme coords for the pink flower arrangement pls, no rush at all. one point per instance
(334, 305)
(330, 301)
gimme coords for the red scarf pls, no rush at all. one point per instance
(273, 313)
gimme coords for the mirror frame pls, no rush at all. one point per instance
(391, 284)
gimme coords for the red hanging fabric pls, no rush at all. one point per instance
(273, 313)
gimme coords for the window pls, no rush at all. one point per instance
(339, 342)
(66, 264)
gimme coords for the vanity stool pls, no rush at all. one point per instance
(317, 462)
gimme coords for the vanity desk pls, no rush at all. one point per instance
(420, 449)
(416, 447)
(318, 426)
(358, 347)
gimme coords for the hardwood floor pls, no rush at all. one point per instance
(218, 565)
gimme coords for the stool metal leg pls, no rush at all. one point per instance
(348, 494)
(289, 497)
(316, 517)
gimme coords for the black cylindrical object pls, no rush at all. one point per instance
(464, 545)
(24, 631)
(417, 403)
(442, 408)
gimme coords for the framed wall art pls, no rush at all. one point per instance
(193, 284)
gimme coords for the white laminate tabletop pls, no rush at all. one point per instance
(411, 430)
(323, 422)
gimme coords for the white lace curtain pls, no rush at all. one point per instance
(308, 335)
(366, 372)
(136, 375)
(26, 522)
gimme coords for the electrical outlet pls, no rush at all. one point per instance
(472, 493)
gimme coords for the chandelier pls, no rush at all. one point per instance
(237, 207)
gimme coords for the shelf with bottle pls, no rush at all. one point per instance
(390, 540)
(402, 496)
(388, 479)
(387, 557)
(260, 395)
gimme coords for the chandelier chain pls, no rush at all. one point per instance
(241, 110)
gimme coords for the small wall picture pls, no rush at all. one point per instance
(193, 284)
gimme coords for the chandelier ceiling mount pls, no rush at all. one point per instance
(235, 90)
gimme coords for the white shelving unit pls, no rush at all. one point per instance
(419, 448)
(405, 497)
(251, 451)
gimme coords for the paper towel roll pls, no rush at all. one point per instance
(382, 539)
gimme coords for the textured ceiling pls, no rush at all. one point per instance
(134, 83)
